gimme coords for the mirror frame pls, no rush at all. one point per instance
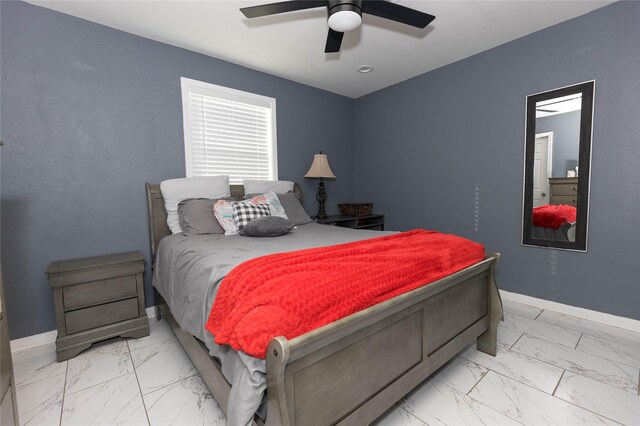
(584, 163)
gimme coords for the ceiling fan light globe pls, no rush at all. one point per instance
(344, 20)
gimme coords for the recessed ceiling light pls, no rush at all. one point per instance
(364, 69)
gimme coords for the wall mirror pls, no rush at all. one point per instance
(557, 167)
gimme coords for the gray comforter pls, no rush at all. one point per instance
(188, 272)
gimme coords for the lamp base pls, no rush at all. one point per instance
(321, 197)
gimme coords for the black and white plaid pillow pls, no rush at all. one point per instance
(243, 213)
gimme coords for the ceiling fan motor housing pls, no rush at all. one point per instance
(344, 15)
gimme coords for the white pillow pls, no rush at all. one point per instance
(176, 190)
(263, 186)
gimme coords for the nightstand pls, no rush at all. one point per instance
(97, 298)
(364, 222)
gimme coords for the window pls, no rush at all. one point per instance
(227, 131)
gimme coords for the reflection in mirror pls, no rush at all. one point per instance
(557, 163)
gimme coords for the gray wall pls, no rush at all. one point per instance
(444, 151)
(89, 114)
(566, 140)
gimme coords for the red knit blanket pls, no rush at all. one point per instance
(553, 216)
(289, 294)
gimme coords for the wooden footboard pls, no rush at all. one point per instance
(353, 370)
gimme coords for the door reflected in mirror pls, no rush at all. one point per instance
(557, 163)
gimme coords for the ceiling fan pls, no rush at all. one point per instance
(344, 15)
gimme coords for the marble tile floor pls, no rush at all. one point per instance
(551, 368)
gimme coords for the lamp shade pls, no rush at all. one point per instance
(320, 168)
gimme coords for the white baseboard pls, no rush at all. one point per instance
(622, 322)
(151, 311)
(29, 342)
(49, 337)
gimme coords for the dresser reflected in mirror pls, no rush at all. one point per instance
(557, 167)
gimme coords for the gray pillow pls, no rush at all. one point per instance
(196, 216)
(294, 210)
(267, 226)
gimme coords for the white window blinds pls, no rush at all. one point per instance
(229, 132)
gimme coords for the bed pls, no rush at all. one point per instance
(555, 222)
(359, 366)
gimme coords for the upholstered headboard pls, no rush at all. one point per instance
(158, 216)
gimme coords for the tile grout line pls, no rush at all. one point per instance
(64, 390)
(40, 380)
(615, 350)
(543, 323)
(538, 316)
(588, 333)
(578, 342)
(196, 373)
(577, 350)
(554, 366)
(553, 394)
(173, 337)
(575, 372)
(411, 414)
(96, 384)
(545, 362)
(575, 329)
(487, 405)
(606, 357)
(519, 315)
(605, 338)
(587, 409)
(518, 381)
(557, 398)
(135, 372)
(517, 340)
(476, 383)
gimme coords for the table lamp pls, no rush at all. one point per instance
(320, 170)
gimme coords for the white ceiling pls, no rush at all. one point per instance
(292, 45)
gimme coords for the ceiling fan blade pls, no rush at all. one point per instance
(395, 12)
(281, 7)
(334, 40)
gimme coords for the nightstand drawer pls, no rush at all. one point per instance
(96, 316)
(569, 200)
(565, 189)
(96, 292)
